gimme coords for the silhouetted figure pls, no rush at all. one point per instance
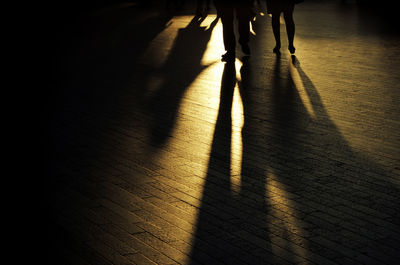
(202, 8)
(275, 8)
(227, 10)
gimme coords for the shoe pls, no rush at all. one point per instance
(228, 57)
(292, 49)
(246, 49)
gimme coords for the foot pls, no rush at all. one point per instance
(292, 49)
(276, 49)
(228, 57)
(246, 49)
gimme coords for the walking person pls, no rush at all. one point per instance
(275, 8)
(227, 9)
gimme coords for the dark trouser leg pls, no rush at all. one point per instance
(227, 28)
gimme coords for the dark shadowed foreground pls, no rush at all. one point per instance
(159, 153)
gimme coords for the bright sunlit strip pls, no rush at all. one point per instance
(215, 47)
(236, 141)
(197, 111)
(195, 122)
(300, 88)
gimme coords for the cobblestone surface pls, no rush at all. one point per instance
(161, 154)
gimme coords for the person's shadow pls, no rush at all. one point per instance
(232, 226)
(305, 195)
(341, 199)
(181, 68)
(216, 238)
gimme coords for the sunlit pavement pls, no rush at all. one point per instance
(159, 153)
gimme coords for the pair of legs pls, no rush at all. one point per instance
(290, 28)
(227, 14)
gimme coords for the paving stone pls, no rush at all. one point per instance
(159, 153)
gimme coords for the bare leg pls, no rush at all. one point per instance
(276, 30)
(290, 28)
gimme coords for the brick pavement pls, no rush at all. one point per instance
(161, 154)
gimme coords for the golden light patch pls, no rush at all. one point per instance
(301, 90)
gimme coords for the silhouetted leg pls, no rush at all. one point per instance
(290, 28)
(277, 31)
(243, 16)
